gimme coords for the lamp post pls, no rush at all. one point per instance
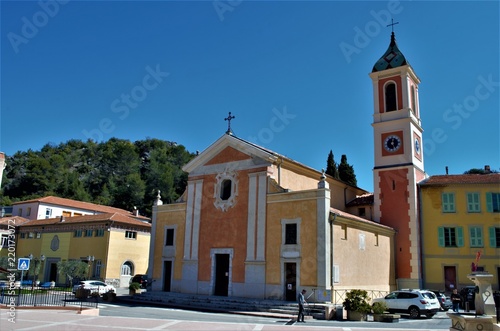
(35, 273)
(90, 260)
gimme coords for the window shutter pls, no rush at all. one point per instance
(460, 236)
(441, 236)
(493, 238)
(489, 202)
(444, 202)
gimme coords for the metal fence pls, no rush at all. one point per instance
(53, 297)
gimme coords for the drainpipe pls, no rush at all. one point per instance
(330, 221)
(279, 171)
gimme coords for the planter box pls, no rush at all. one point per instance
(355, 316)
(387, 318)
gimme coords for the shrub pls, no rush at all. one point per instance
(379, 307)
(357, 300)
(134, 286)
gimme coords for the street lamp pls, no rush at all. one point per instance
(90, 259)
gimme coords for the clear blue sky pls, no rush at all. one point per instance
(294, 73)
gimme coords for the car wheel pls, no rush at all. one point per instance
(414, 312)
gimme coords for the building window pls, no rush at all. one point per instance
(99, 233)
(78, 233)
(448, 202)
(413, 100)
(88, 233)
(31, 235)
(291, 234)
(390, 97)
(362, 212)
(98, 266)
(450, 236)
(493, 202)
(130, 234)
(20, 212)
(473, 205)
(476, 236)
(48, 212)
(127, 269)
(66, 213)
(23, 235)
(225, 190)
(28, 211)
(494, 236)
(169, 237)
(38, 235)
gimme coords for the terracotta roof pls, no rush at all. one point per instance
(115, 217)
(361, 200)
(12, 220)
(357, 218)
(80, 205)
(492, 178)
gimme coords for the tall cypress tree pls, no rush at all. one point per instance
(331, 166)
(346, 172)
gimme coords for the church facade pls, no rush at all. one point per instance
(254, 223)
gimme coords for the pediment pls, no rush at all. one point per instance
(229, 149)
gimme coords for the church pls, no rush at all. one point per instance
(254, 223)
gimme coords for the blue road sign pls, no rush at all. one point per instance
(23, 264)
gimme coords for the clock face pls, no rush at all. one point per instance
(417, 146)
(392, 143)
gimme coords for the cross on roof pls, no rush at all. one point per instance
(392, 24)
(228, 119)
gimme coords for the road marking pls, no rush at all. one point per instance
(258, 327)
(166, 325)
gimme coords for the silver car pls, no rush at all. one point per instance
(411, 302)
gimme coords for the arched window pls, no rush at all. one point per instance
(390, 97)
(413, 100)
(127, 269)
(225, 189)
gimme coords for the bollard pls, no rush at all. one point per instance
(467, 306)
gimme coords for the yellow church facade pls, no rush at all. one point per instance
(253, 223)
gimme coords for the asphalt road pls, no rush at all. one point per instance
(439, 322)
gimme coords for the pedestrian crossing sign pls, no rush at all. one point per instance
(23, 264)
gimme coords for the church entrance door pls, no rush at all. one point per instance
(290, 281)
(221, 274)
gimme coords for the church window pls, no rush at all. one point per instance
(413, 100)
(450, 236)
(291, 234)
(169, 237)
(473, 204)
(476, 236)
(225, 189)
(390, 97)
(448, 202)
(493, 202)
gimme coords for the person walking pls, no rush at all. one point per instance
(455, 300)
(301, 300)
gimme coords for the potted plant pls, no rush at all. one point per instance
(109, 296)
(356, 304)
(378, 309)
(134, 288)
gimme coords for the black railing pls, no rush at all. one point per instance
(53, 297)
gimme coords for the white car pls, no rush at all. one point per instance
(411, 302)
(94, 286)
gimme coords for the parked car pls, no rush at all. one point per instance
(94, 286)
(444, 300)
(411, 302)
(141, 279)
(468, 294)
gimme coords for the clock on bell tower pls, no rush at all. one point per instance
(399, 162)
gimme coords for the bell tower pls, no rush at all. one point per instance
(399, 160)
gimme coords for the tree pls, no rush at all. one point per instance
(346, 172)
(331, 166)
(72, 269)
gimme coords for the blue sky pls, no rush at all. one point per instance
(293, 73)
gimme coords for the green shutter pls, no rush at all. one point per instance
(493, 238)
(489, 202)
(460, 236)
(441, 236)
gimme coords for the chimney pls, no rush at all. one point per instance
(446, 169)
(487, 169)
(62, 219)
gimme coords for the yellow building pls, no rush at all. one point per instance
(114, 246)
(254, 223)
(460, 224)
